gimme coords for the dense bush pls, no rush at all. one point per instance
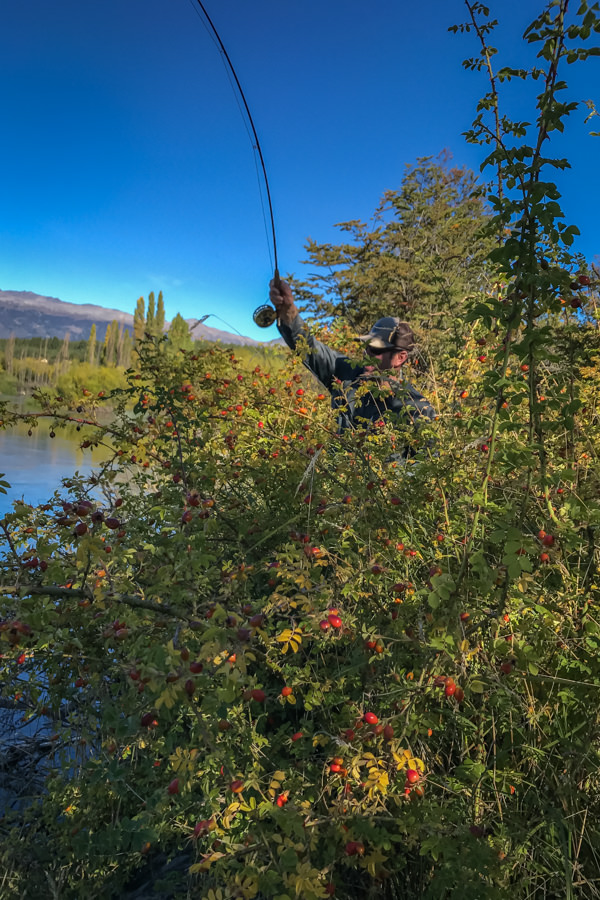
(273, 662)
(209, 638)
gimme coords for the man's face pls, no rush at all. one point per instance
(388, 360)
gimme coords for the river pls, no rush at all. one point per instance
(34, 466)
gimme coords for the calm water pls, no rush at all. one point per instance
(34, 466)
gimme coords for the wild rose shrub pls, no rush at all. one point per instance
(276, 662)
(295, 667)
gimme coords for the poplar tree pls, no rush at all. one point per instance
(112, 335)
(63, 358)
(9, 355)
(139, 322)
(150, 315)
(91, 346)
(180, 337)
(105, 344)
(159, 320)
(64, 350)
(124, 349)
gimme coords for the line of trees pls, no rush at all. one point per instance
(149, 324)
(32, 363)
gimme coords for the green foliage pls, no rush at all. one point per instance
(94, 379)
(92, 346)
(243, 524)
(8, 385)
(44, 348)
(271, 662)
(150, 315)
(179, 336)
(9, 354)
(139, 322)
(423, 251)
(159, 320)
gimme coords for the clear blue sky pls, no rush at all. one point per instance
(126, 166)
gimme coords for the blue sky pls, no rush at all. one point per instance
(127, 167)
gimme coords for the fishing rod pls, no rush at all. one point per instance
(265, 315)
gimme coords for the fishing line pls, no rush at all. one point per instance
(246, 126)
(239, 93)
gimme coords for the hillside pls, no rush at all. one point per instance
(26, 314)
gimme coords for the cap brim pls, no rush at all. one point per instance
(376, 342)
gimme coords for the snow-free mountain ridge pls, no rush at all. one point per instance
(26, 314)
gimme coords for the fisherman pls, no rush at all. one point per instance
(388, 345)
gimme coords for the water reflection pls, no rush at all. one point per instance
(34, 466)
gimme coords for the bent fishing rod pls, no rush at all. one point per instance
(265, 315)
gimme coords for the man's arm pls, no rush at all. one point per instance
(410, 402)
(320, 359)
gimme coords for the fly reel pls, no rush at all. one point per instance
(264, 316)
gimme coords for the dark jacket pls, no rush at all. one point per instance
(343, 377)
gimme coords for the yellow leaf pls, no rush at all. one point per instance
(206, 863)
(289, 639)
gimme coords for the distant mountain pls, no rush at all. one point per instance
(26, 314)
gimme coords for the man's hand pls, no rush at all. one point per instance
(281, 297)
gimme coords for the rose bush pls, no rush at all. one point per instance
(273, 661)
(298, 667)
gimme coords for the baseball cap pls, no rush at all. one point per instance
(389, 333)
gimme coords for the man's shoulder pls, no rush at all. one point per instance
(346, 370)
